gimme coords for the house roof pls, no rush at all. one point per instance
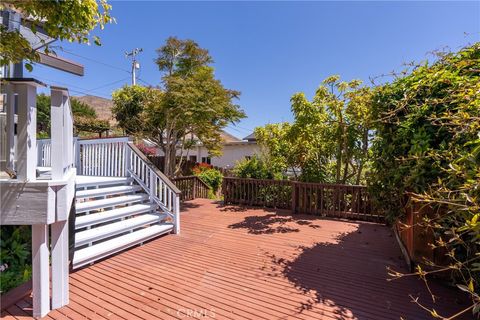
(250, 137)
(227, 137)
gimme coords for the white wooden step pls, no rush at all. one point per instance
(92, 181)
(106, 248)
(106, 231)
(109, 202)
(92, 193)
(110, 215)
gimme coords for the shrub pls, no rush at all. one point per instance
(148, 151)
(15, 257)
(212, 177)
(201, 167)
(255, 168)
(428, 145)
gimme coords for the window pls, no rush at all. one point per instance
(207, 160)
(248, 157)
(193, 158)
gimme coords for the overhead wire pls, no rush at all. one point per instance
(96, 61)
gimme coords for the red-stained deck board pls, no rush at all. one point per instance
(243, 263)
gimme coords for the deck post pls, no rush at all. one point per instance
(294, 197)
(177, 214)
(61, 159)
(10, 127)
(77, 155)
(40, 270)
(60, 296)
(128, 160)
(27, 131)
(58, 149)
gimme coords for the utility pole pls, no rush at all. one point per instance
(135, 65)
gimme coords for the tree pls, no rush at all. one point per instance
(64, 20)
(278, 151)
(329, 137)
(190, 105)
(128, 103)
(84, 117)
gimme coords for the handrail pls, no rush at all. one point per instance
(192, 187)
(103, 140)
(153, 167)
(192, 177)
(160, 189)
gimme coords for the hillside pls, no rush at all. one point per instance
(102, 106)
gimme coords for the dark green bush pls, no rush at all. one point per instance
(212, 177)
(15, 256)
(427, 145)
(255, 168)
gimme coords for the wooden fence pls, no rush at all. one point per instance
(192, 187)
(330, 200)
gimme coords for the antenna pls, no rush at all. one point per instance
(135, 64)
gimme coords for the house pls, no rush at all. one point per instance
(233, 150)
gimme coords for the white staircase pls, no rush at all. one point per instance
(112, 214)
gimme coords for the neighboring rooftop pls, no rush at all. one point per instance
(227, 137)
(250, 137)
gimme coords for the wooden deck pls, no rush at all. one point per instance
(236, 263)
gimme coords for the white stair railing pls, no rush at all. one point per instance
(102, 157)
(44, 157)
(117, 157)
(161, 190)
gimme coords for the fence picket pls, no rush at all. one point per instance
(331, 200)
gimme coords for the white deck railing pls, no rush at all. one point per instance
(117, 157)
(102, 157)
(44, 153)
(161, 190)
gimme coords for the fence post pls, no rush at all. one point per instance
(294, 196)
(194, 187)
(176, 212)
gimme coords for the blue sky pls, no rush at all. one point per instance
(270, 50)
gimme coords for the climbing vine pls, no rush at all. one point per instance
(427, 145)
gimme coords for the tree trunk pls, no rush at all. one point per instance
(364, 155)
(166, 160)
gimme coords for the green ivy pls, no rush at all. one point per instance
(427, 145)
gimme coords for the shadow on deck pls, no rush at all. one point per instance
(245, 263)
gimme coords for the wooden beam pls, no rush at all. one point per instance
(61, 64)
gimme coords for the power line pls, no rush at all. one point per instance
(240, 129)
(96, 61)
(109, 84)
(81, 91)
(145, 82)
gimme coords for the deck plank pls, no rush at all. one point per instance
(244, 263)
